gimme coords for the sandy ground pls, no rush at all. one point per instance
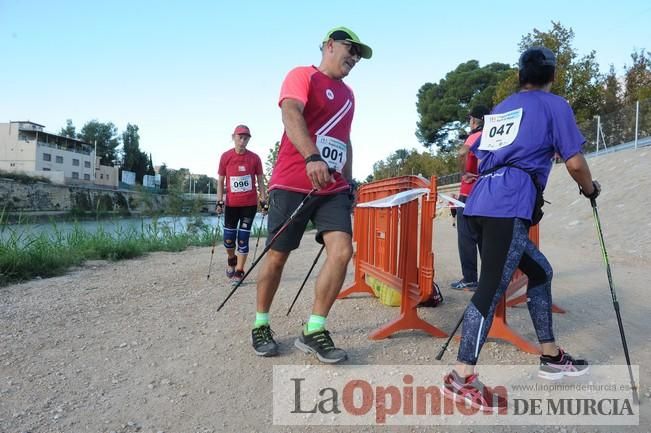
(138, 345)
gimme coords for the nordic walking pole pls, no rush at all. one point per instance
(214, 242)
(305, 280)
(445, 346)
(595, 213)
(269, 245)
(259, 233)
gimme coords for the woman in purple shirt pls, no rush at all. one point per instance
(516, 148)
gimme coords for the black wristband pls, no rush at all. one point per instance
(220, 203)
(315, 157)
(595, 192)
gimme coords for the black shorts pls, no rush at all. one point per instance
(327, 212)
(242, 215)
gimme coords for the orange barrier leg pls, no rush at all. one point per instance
(502, 331)
(408, 319)
(358, 286)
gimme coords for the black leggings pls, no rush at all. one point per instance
(505, 247)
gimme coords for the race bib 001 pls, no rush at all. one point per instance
(332, 151)
(241, 183)
(500, 130)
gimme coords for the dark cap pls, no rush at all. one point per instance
(345, 34)
(537, 56)
(479, 111)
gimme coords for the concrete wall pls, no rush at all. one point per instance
(42, 197)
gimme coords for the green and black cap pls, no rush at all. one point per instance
(345, 34)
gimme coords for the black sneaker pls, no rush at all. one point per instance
(552, 369)
(321, 345)
(470, 391)
(263, 341)
(469, 286)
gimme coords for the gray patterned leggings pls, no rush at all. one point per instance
(505, 247)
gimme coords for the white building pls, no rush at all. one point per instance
(26, 147)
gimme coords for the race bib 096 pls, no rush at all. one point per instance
(500, 130)
(333, 151)
(241, 183)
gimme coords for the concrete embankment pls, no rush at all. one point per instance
(44, 198)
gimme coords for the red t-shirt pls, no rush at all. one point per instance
(471, 164)
(328, 111)
(240, 172)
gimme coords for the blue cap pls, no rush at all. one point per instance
(537, 56)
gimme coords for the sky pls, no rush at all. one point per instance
(187, 72)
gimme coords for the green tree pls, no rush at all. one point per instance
(272, 156)
(163, 171)
(577, 79)
(443, 107)
(106, 137)
(638, 77)
(403, 162)
(133, 159)
(612, 92)
(150, 166)
(130, 148)
(69, 130)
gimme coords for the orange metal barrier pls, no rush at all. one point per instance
(392, 249)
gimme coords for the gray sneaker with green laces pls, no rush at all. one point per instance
(320, 343)
(263, 341)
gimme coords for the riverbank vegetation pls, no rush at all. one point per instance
(27, 255)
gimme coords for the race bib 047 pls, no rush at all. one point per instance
(500, 130)
(241, 183)
(333, 151)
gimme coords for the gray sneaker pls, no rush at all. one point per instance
(263, 341)
(469, 286)
(320, 343)
(554, 369)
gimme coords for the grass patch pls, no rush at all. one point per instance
(24, 256)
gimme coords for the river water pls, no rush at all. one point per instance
(113, 225)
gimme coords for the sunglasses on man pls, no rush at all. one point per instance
(353, 49)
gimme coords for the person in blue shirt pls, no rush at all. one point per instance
(515, 150)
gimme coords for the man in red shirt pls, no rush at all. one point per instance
(240, 168)
(466, 238)
(315, 156)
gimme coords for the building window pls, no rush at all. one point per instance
(87, 164)
(47, 157)
(86, 176)
(101, 176)
(75, 175)
(59, 159)
(46, 169)
(107, 177)
(75, 162)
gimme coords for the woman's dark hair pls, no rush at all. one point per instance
(537, 66)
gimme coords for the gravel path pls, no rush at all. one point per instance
(138, 345)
